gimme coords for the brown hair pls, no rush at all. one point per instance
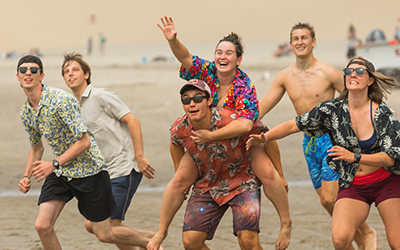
(300, 26)
(77, 58)
(379, 88)
(235, 39)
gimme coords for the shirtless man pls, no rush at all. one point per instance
(309, 82)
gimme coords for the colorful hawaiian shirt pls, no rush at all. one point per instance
(223, 165)
(241, 96)
(333, 117)
(58, 119)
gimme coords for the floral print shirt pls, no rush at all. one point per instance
(223, 165)
(58, 119)
(241, 96)
(333, 117)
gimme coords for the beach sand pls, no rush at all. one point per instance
(151, 91)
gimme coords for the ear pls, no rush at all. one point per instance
(239, 61)
(314, 42)
(371, 81)
(209, 101)
(86, 75)
(41, 76)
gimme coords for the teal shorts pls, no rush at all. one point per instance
(315, 150)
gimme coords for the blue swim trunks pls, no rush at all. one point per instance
(315, 148)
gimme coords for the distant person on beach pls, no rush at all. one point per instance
(366, 151)
(117, 132)
(78, 167)
(223, 177)
(233, 89)
(308, 82)
(102, 42)
(89, 46)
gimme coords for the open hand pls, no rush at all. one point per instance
(168, 28)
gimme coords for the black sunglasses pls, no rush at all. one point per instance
(359, 71)
(33, 70)
(196, 99)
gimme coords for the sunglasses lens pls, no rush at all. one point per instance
(198, 99)
(348, 71)
(186, 100)
(34, 70)
(360, 71)
(23, 70)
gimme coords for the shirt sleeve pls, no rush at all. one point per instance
(388, 128)
(112, 105)
(316, 121)
(201, 69)
(244, 97)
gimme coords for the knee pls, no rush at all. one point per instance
(328, 201)
(192, 243)
(105, 238)
(341, 243)
(43, 227)
(248, 240)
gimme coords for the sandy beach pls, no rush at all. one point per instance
(150, 89)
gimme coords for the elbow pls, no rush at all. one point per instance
(248, 126)
(86, 141)
(391, 161)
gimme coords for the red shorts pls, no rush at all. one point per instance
(204, 214)
(377, 192)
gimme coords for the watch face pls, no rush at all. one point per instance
(56, 164)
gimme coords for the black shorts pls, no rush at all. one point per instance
(95, 200)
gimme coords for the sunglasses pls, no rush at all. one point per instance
(23, 70)
(359, 71)
(196, 99)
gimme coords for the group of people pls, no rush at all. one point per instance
(219, 146)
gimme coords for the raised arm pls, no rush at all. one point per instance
(137, 138)
(273, 96)
(178, 49)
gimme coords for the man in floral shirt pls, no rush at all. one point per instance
(225, 177)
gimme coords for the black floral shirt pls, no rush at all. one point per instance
(333, 117)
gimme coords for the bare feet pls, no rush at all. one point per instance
(284, 237)
(371, 240)
(155, 242)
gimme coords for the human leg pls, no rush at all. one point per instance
(347, 216)
(202, 217)
(45, 220)
(275, 191)
(123, 189)
(173, 197)
(389, 211)
(194, 240)
(246, 209)
(118, 234)
(248, 240)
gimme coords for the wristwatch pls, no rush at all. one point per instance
(56, 164)
(357, 157)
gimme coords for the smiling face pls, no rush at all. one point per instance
(28, 80)
(356, 82)
(74, 76)
(198, 113)
(226, 60)
(302, 43)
